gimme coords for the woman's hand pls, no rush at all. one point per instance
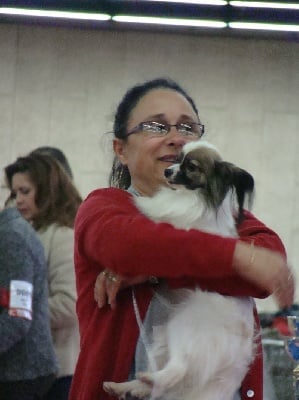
(267, 269)
(284, 292)
(108, 284)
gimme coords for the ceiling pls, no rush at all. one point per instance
(198, 17)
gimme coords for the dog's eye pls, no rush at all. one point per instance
(192, 167)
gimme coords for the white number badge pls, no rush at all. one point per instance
(20, 300)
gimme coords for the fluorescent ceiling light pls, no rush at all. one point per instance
(55, 14)
(264, 26)
(170, 21)
(260, 4)
(205, 2)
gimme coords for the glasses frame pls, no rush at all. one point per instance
(139, 128)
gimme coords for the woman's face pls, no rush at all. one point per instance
(24, 192)
(148, 156)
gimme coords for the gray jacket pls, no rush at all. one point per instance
(26, 349)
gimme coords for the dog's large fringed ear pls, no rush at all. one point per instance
(244, 185)
(230, 176)
(221, 182)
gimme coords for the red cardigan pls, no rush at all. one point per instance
(111, 233)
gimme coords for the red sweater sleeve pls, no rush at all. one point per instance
(115, 235)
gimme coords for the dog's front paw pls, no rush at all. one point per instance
(114, 389)
(140, 389)
(163, 380)
(146, 377)
(135, 388)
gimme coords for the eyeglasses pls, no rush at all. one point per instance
(188, 129)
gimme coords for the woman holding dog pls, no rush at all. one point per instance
(123, 248)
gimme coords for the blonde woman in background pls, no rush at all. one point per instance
(45, 196)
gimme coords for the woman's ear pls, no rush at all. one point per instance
(119, 147)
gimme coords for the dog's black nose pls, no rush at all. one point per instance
(168, 172)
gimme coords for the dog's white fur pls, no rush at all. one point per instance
(204, 351)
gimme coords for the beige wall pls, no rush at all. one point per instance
(60, 87)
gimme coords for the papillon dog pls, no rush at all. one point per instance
(204, 350)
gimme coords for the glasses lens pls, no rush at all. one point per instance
(158, 129)
(186, 129)
(190, 129)
(154, 128)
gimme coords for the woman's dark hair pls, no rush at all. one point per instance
(57, 199)
(120, 176)
(58, 155)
